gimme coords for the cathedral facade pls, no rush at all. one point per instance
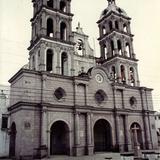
(67, 102)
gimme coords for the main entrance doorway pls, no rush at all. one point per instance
(12, 144)
(102, 136)
(59, 139)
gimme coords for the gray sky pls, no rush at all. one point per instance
(15, 31)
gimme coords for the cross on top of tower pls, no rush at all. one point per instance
(111, 2)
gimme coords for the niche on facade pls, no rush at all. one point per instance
(60, 94)
(110, 25)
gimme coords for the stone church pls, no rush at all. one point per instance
(67, 101)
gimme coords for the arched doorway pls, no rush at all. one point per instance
(136, 135)
(12, 144)
(59, 139)
(102, 136)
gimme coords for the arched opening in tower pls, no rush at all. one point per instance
(110, 25)
(49, 60)
(63, 7)
(64, 63)
(127, 50)
(123, 76)
(63, 31)
(112, 48)
(116, 25)
(124, 27)
(103, 30)
(50, 3)
(105, 51)
(132, 76)
(113, 73)
(119, 47)
(49, 27)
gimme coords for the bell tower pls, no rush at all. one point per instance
(116, 44)
(51, 47)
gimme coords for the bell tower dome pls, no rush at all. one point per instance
(116, 44)
(51, 48)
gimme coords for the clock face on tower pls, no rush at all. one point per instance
(99, 78)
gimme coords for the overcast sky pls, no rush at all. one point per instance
(15, 31)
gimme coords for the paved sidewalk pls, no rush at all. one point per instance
(105, 156)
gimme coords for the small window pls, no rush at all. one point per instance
(4, 122)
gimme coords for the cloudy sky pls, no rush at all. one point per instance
(15, 33)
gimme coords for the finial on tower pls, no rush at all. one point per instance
(111, 2)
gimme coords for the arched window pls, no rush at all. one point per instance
(116, 25)
(127, 50)
(64, 63)
(119, 47)
(132, 78)
(123, 76)
(110, 25)
(50, 3)
(49, 60)
(63, 31)
(103, 30)
(49, 27)
(63, 7)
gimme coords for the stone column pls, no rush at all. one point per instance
(42, 64)
(76, 134)
(88, 129)
(58, 71)
(44, 127)
(145, 120)
(89, 135)
(117, 130)
(128, 137)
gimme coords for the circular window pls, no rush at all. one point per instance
(59, 93)
(133, 101)
(100, 96)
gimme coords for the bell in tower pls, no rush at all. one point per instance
(116, 44)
